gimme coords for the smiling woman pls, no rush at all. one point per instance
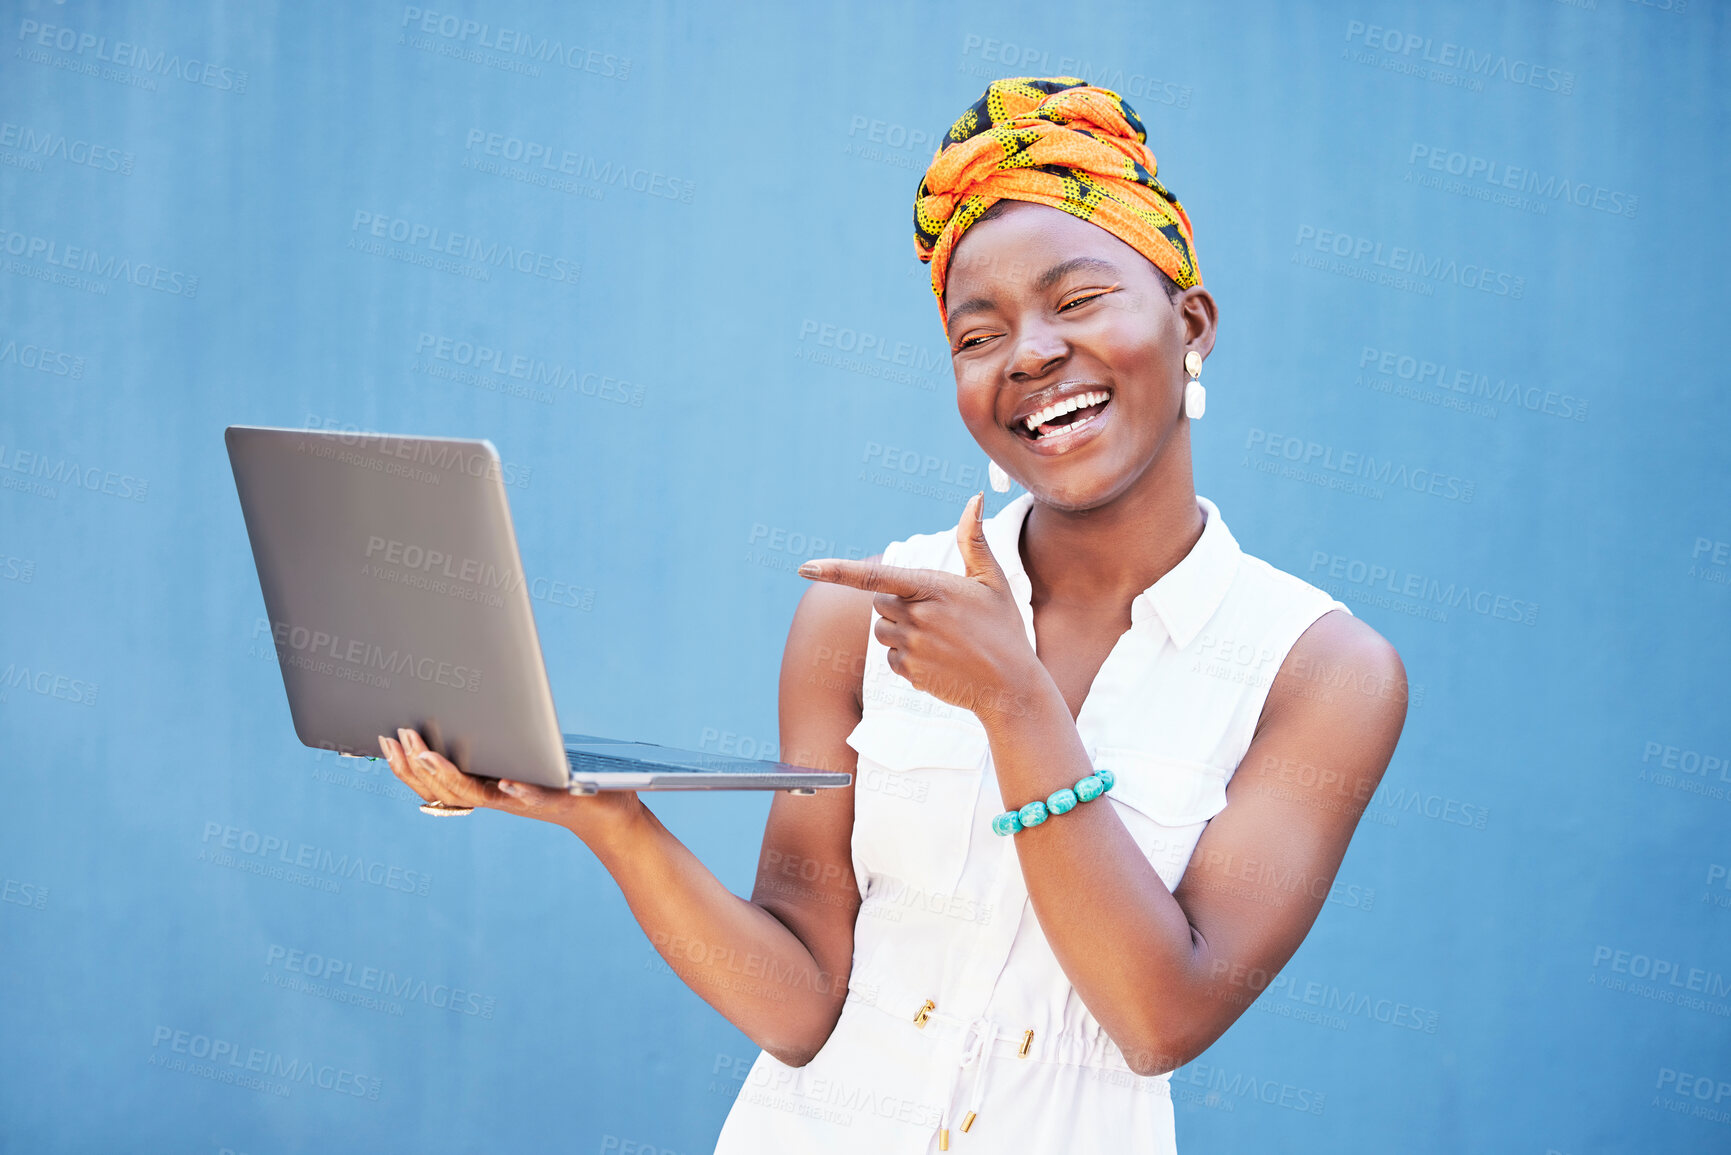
(1107, 763)
(1072, 675)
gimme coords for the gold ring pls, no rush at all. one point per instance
(439, 809)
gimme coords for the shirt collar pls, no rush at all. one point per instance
(1184, 598)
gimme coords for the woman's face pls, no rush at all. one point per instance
(1048, 309)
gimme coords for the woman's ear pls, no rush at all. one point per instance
(1196, 308)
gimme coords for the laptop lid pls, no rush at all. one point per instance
(395, 596)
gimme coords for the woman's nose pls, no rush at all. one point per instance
(1037, 353)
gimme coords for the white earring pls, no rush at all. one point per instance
(1000, 479)
(1195, 396)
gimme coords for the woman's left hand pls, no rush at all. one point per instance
(438, 780)
(958, 637)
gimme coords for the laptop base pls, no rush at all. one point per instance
(598, 764)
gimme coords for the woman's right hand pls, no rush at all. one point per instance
(775, 965)
(436, 779)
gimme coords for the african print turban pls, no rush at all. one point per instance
(1055, 141)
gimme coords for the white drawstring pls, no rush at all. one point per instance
(985, 1048)
(978, 1040)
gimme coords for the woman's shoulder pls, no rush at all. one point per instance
(827, 640)
(928, 550)
(827, 606)
(1262, 577)
(1260, 587)
(1331, 647)
(937, 548)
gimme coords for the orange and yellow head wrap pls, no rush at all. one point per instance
(1055, 141)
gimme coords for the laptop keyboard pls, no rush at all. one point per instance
(585, 762)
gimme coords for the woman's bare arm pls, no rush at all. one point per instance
(1166, 972)
(775, 966)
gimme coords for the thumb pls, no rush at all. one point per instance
(977, 559)
(528, 794)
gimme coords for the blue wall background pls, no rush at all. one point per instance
(1482, 242)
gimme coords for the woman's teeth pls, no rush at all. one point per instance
(1035, 421)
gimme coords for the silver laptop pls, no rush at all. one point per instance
(396, 597)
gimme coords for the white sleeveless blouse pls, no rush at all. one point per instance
(946, 919)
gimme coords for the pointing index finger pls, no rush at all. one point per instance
(873, 576)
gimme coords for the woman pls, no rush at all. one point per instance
(921, 968)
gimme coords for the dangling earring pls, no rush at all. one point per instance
(1000, 479)
(1195, 396)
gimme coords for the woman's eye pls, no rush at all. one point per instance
(970, 342)
(1079, 300)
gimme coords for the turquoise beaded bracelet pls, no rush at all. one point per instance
(1058, 802)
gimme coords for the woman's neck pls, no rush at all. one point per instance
(1103, 557)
